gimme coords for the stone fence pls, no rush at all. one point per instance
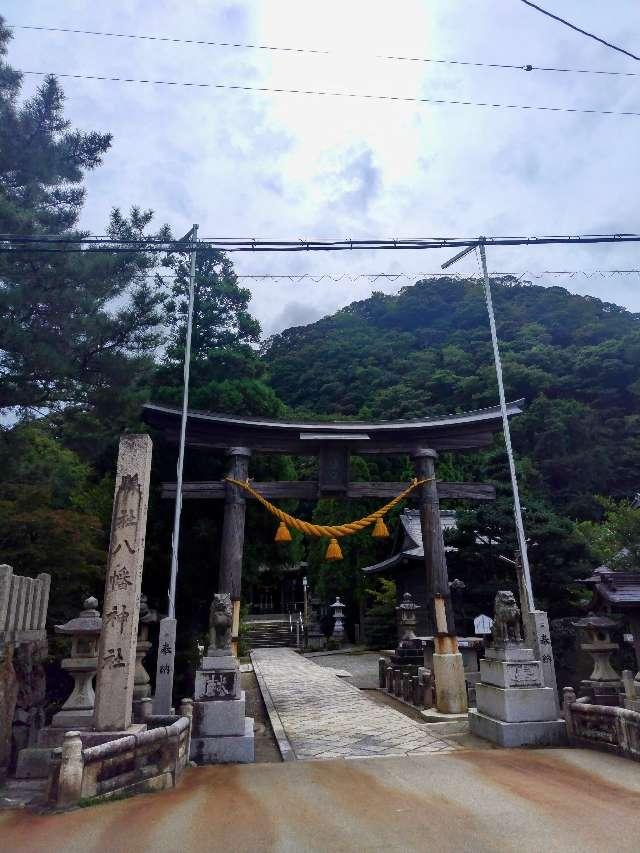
(150, 760)
(23, 606)
(604, 727)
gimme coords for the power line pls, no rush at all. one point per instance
(323, 52)
(26, 244)
(352, 95)
(338, 278)
(578, 29)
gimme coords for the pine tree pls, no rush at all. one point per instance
(227, 373)
(75, 326)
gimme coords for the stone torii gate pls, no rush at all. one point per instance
(333, 443)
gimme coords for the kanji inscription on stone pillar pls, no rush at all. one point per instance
(117, 653)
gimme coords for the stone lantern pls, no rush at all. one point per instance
(84, 630)
(407, 618)
(604, 683)
(338, 625)
(409, 651)
(316, 640)
(141, 682)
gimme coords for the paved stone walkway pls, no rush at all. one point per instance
(323, 717)
(362, 667)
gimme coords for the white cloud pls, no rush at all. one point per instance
(289, 166)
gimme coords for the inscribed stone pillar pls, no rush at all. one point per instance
(163, 696)
(233, 534)
(117, 653)
(434, 553)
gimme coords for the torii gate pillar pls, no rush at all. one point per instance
(448, 669)
(232, 546)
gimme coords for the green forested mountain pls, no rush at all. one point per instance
(427, 351)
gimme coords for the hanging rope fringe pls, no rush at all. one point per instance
(282, 533)
(380, 531)
(334, 552)
(290, 522)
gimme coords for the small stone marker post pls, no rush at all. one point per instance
(162, 698)
(117, 655)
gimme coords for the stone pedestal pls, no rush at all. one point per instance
(514, 708)
(221, 732)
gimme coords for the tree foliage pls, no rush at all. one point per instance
(616, 538)
(75, 327)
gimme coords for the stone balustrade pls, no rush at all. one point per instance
(606, 727)
(151, 760)
(23, 606)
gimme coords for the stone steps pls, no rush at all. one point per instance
(268, 633)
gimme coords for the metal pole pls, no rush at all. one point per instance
(522, 542)
(175, 539)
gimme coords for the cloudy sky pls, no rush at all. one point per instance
(250, 164)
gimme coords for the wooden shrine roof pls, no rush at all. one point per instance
(618, 589)
(452, 432)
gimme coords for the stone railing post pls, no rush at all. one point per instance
(568, 698)
(186, 710)
(71, 768)
(145, 709)
(382, 672)
(6, 573)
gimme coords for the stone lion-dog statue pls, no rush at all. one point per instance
(506, 623)
(220, 621)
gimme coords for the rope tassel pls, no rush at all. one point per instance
(282, 533)
(380, 531)
(334, 551)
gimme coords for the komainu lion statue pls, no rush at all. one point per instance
(506, 623)
(220, 620)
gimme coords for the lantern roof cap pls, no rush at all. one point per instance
(87, 623)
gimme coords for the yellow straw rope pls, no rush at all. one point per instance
(323, 529)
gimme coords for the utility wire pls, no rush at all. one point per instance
(323, 52)
(337, 278)
(17, 244)
(579, 29)
(352, 95)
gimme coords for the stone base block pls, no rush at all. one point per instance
(540, 733)
(33, 763)
(234, 749)
(316, 642)
(221, 682)
(504, 673)
(70, 720)
(219, 718)
(516, 704)
(214, 658)
(509, 651)
(451, 688)
(632, 705)
(432, 715)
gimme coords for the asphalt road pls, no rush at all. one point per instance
(490, 800)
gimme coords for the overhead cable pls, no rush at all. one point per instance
(579, 29)
(352, 95)
(324, 52)
(30, 243)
